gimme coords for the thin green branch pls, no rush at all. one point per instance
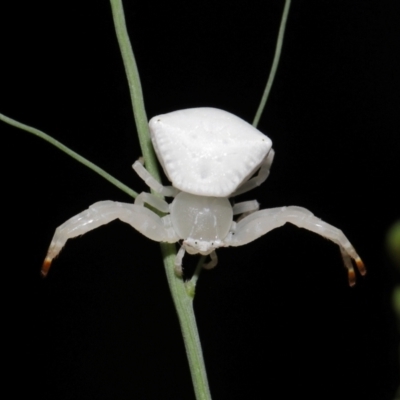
(184, 306)
(70, 152)
(275, 63)
(183, 302)
(135, 88)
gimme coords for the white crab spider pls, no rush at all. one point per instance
(209, 155)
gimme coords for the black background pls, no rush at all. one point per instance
(276, 317)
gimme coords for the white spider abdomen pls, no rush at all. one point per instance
(207, 151)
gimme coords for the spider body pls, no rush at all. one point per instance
(209, 155)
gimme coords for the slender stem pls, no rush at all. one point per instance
(70, 152)
(275, 63)
(184, 307)
(135, 88)
(183, 302)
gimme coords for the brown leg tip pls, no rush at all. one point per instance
(352, 278)
(45, 267)
(361, 266)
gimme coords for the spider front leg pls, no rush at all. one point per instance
(260, 222)
(142, 219)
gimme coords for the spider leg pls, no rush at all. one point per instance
(261, 176)
(178, 261)
(179, 257)
(152, 201)
(246, 207)
(168, 191)
(142, 219)
(259, 223)
(213, 262)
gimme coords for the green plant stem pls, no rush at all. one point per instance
(183, 302)
(70, 152)
(135, 88)
(184, 305)
(275, 63)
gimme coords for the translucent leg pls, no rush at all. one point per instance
(142, 219)
(213, 262)
(178, 261)
(168, 191)
(246, 207)
(261, 177)
(152, 201)
(261, 222)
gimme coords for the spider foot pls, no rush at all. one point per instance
(45, 267)
(352, 274)
(361, 266)
(352, 277)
